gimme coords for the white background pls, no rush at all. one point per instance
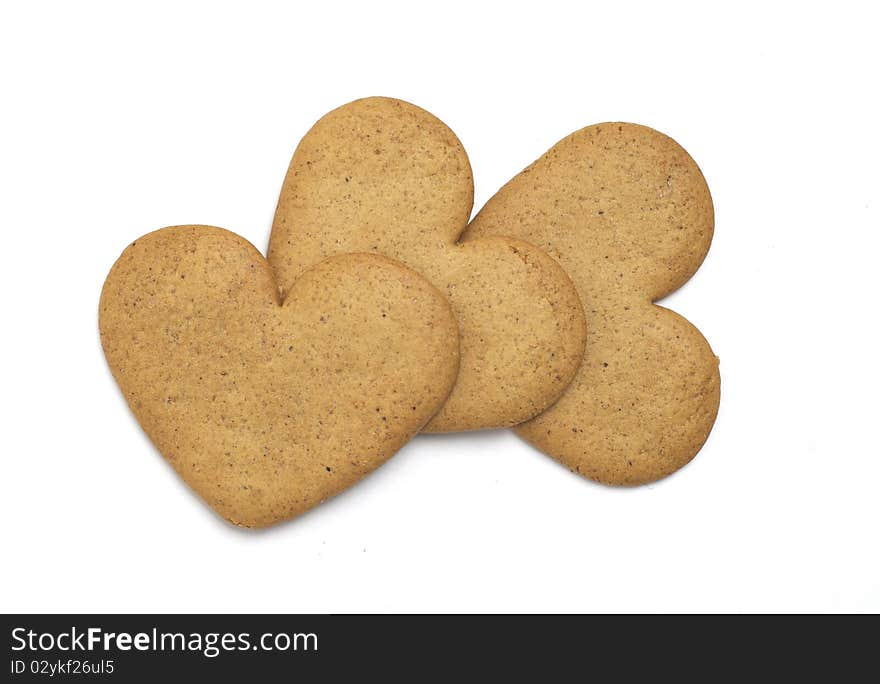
(117, 121)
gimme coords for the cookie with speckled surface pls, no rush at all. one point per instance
(626, 212)
(383, 176)
(268, 406)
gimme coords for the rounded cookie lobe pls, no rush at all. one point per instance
(383, 176)
(267, 408)
(524, 324)
(628, 215)
(642, 406)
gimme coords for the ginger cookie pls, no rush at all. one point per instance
(383, 176)
(268, 406)
(626, 212)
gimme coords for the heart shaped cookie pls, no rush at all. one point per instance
(268, 407)
(627, 213)
(383, 176)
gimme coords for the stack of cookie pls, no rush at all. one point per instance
(272, 384)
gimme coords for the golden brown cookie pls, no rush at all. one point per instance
(383, 176)
(628, 215)
(268, 407)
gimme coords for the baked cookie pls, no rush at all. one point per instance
(628, 215)
(383, 176)
(267, 407)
